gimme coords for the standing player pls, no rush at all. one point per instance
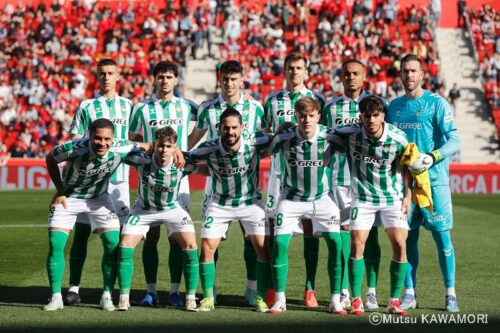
(279, 108)
(306, 193)
(428, 121)
(157, 204)
(233, 162)
(374, 149)
(92, 163)
(338, 112)
(208, 116)
(107, 104)
(164, 109)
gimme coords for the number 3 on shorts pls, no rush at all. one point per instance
(133, 220)
(270, 201)
(354, 213)
(208, 222)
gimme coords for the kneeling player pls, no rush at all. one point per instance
(306, 193)
(157, 204)
(234, 166)
(374, 149)
(91, 161)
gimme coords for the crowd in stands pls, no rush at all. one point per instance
(329, 32)
(49, 53)
(484, 26)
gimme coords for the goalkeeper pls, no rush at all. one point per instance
(427, 120)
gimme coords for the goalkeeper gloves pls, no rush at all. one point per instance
(424, 162)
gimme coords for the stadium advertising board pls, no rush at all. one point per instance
(20, 174)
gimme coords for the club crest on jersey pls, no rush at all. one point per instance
(282, 113)
(293, 150)
(386, 148)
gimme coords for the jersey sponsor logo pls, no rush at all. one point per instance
(94, 172)
(165, 122)
(346, 121)
(156, 188)
(233, 171)
(305, 163)
(370, 159)
(403, 126)
(282, 113)
(119, 121)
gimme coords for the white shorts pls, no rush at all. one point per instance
(273, 194)
(183, 196)
(324, 214)
(363, 216)
(140, 220)
(217, 220)
(343, 198)
(120, 194)
(206, 197)
(100, 213)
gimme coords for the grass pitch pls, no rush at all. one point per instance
(24, 285)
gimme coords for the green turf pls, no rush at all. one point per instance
(24, 286)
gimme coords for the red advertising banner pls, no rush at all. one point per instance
(20, 174)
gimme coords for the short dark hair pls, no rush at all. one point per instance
(352, 61)
(231, 112)
(166, 66)
(231, 67)
(101, 123)
(166, 134)
(106, 62)
(295, 56)
(371, 103)
(307, 104)
(411, 57)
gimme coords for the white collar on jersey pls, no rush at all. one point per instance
(240, 101)
(382, 138)
(99, 96)
(311, 140)
(225, 152)
(155, 98)
(362, 95)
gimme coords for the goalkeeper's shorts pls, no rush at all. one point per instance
(441, 218)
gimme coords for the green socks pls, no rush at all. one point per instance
(372, 258)
(263, 274)
(250, 260)
(110, 240)
(207, 273)
(333, 243)
(345, 237)
(311, 250)
(398, 273)
(356, 270)
(125, 269)
(55, 259)
(150, 262)
(191, 269)
(78, 253)
(175, 263)
(279, 261)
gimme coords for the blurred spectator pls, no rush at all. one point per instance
(453, 96)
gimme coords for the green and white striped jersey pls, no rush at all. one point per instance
(235, 177)
(307, 164)
(280, 108)
(208, 116)
(158, 187)
(117, 110)
(375, 164)
(87, 175)
(153, 114)
(337, 112)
